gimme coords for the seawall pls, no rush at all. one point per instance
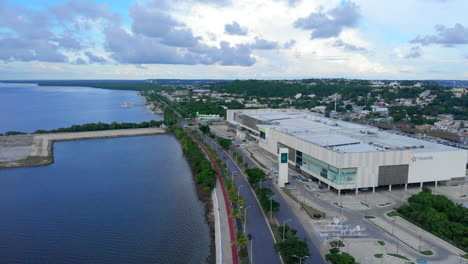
(37, 149)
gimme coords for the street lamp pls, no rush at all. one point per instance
(271, 206)
(284, 227)
(393, 234)
(300, 258)
(245, 216)
(420, 243)
(238, 188)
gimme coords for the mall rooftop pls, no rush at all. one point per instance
(339, 135)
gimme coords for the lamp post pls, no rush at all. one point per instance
(245, 216)
(300, 258)
(419, 243)
(284, 227)
(238, 188)
(271, 206)
(393, 234)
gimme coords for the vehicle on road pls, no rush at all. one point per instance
(321, 187)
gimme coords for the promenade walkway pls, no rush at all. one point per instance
(36, 149)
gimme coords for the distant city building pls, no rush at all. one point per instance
(181, 92)
(459, 92)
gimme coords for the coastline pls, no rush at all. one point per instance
(37, 150)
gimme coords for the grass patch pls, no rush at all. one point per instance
(427, 252)
(378, 255)
(398, 256)
(312, 212)
(308, 187)
(463, 196)
(338, 205)
(381, 242)
(392, 214)
(274, 228)
(465, 256)
(369, 217)
(385, 204)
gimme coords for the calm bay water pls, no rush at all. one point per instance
(28, 107)
(120, 200)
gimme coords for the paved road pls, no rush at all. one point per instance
(263, 251)
(283, 214)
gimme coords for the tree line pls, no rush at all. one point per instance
(205, 174)
(91, 127)
(438, 215)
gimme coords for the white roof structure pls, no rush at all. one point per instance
(342, 136)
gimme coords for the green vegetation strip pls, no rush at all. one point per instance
(205, 174)
(312, 212)
(398, 256)
(92, 127)
(427, 253)
(369, 217)
(392, 214)
(378, 255)
(439, 216)
(382, 243)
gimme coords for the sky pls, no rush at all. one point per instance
(233, 39)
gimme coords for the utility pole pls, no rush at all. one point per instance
(284, 227)
(245, 217)
(271, 206)
(420, 243)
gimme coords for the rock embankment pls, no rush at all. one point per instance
(37, 149)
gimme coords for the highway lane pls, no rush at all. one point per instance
(263, 250)
(286, 213)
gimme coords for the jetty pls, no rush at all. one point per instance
(37, 149)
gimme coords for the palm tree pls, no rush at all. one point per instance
(236, 213)
(241, 240)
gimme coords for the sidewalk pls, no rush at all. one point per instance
(222, 237)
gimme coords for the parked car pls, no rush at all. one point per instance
(321, 187)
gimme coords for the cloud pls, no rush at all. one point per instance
(79, 61)
(289, 44)
(415, 52)
(126, 47)
(466, 57)
(331, 23)
(264, 44)
(44, 35)
(291, 3)
(19, 49)
(448, 37)
(348, 47)
(235, 29)
(95, 59)
(83, 8)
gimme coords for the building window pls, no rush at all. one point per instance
(323, 169)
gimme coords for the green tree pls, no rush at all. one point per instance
(292, 247)
(205, 129)
(336, 258)
(255, 175)
(224, 142)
